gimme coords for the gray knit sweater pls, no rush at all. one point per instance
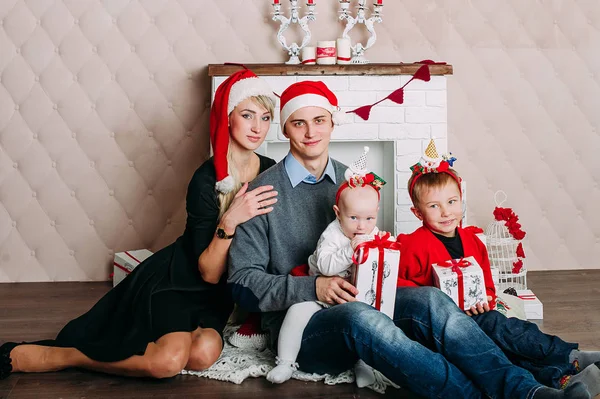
(267, 247)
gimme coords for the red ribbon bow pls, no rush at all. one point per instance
(456, 265)
(381, 243)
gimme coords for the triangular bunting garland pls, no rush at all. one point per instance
(397, 95)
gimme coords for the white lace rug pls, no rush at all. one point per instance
(235, 365)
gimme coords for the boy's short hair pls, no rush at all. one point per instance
(428, 181)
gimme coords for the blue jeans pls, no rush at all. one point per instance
(545, 356)
(438, 351)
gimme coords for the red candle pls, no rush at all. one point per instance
(275, 1)
(379, 2)
(311, 1)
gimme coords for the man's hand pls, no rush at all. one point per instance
(359, 239)
(479, 308)
(335, 290)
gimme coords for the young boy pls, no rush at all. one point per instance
(356, 207)
(434, 188)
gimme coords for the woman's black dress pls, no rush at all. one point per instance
(165, 293)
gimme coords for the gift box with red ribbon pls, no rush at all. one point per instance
(125, 262)
(462, 280)
(375, 272)
(534, 309)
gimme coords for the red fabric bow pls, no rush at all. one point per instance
(381, 243)
(520, 252)
(456, 265)
(511, 221)
(517, 266)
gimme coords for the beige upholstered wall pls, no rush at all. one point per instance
(104, 112)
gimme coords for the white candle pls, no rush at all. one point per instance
(343, 51)
(326, 52)
(309, 55)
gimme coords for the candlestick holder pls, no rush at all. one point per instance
(294, 49)
(358, 50)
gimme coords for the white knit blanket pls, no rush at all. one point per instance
(235, 365)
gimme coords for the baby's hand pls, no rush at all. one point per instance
(359, 239)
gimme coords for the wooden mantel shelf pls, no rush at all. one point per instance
(328, 70)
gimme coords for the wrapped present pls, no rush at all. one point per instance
(534, 309)
(462, 280)
(125, 262)
(495, 276)
(375, 272)
(483, 238)
(510, 306)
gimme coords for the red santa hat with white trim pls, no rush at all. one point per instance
(310, 94)
(235, 89)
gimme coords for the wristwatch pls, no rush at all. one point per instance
(222, 234)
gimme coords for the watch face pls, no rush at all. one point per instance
(222, 234)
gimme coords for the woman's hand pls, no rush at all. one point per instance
(247, 204)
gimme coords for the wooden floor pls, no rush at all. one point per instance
(35, 311)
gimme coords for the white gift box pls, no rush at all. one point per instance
(495, 276)
(365, 278)
(446, 278)
(125, 262)
(534, 309)
(483, 238)
(510, 306)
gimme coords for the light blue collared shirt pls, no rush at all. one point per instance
(298, 173)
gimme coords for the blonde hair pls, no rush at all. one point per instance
(225, 200)
(427, 181)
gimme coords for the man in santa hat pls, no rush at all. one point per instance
(268, 247)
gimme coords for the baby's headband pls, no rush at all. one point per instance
(357, 175)
(431, 162)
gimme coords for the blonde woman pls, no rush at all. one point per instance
(169, 313)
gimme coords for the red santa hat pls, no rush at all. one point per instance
(235, 89)
(310, 94)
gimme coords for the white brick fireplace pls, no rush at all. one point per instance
(396, 133)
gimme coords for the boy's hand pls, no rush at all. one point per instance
(334, 290)
(479, 308)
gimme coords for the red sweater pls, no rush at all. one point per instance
(420, 249)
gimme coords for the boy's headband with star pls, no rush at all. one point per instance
(431, 162)
(357, 175)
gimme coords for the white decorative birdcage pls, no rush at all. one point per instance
(505, 251)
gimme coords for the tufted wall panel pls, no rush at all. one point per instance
(104, 113)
